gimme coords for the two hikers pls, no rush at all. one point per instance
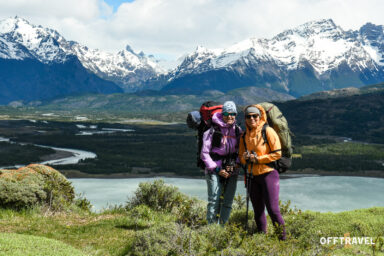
(219, 154)
(224, 148)
(257, 154)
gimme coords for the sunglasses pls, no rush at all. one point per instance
(229, 114)
(250, 116)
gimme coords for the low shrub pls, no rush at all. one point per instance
(83, 203)
(140, 217)
(191, 212)
(21, 194)
(219, 238)
(162, 239)
(35, 185)
(157, 196)
(238, 217)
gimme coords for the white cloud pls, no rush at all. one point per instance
(173, 27)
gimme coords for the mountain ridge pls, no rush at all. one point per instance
(20, 40)
(315, 56)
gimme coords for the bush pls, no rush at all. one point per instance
(191, 212)
(157, 196)
(163, 239)
(219, 238)
(83, 203)
(166, 198)
(35, 185)
(141, 217)
(22, 194)
(177, 239)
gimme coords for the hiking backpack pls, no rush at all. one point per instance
(278, 122)
(202, 121)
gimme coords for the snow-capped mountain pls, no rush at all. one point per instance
(35, 65)
(126, 68)
(21, 40)
(316, 56)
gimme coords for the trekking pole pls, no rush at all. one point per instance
(248, 183)
(248, 188)
(247, 195)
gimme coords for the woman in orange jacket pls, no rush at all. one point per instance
(257, 155)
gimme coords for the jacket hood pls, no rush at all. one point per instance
(217, 118)
(263, 118)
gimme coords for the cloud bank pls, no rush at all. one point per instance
(170, 28)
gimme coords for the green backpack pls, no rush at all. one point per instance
(278, 122)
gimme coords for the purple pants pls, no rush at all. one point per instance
(264, 192)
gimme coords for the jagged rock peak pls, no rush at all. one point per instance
(312, 28)
(10, 24)
(201, 48)
(25, 28)
(128, 48)
(370, 29)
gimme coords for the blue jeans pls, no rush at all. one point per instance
(218, 211)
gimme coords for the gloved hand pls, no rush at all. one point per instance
(229, 169)
(224, 173)
(253, 158)
(246, 155)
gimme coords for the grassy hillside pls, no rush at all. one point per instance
(159, 220)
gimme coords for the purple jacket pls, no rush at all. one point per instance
(229, 143)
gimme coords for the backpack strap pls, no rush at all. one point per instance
(237, 131)
(264, 133)
(237, 134)
(246, 150)
(265, 138)
(245, 144)
(214, 127)
(216, 134)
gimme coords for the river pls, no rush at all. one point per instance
(75, 155)
(316, 193)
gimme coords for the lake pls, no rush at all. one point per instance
(316, 193)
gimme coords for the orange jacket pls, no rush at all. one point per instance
(255, 142)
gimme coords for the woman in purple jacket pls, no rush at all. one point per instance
(219, 153)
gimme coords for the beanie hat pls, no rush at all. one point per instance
(252, 110)
(229, 107)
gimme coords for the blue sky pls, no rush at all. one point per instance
(116, 3)
(172, 28)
